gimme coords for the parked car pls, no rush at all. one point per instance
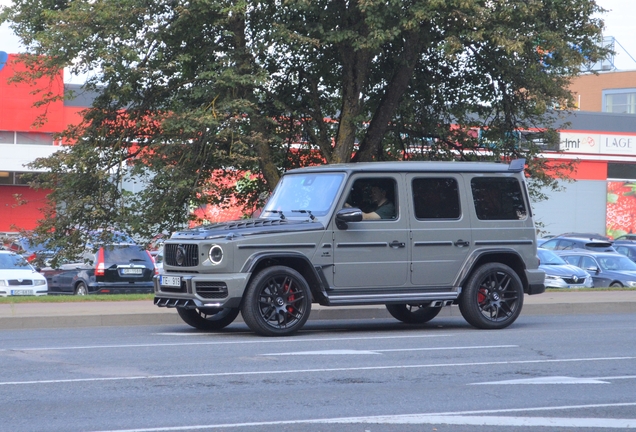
(37, 253)
(567, 243)
(626, 237)
(586, 236)
(627, 248)
(114, 269)
(608, 269)
(18, 277)
(560, 274)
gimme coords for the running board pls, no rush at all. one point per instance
(434, 299)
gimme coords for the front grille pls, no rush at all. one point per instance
(211, 290)
(571, 281)
(181, 255)
(15, 282)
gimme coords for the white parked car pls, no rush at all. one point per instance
(18, 277)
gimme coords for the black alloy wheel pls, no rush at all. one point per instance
(277, 302)
(208, 319)
(413, 313)
(492, 297)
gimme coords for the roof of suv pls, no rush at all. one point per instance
(583, 243)
(516, 165)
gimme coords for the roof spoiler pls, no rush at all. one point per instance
(517, 165)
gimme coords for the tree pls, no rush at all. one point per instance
(187, 88)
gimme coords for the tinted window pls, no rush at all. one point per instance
(436, 198)
(374, 194)
(587, 262)
(125, 254)
(498, 198)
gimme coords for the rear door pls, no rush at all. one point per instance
(441, 237)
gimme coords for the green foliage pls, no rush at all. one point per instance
(188, 89)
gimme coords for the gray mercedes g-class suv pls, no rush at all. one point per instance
(414, 236)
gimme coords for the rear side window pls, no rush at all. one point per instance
(436, 198)
(498, 198)
(125, 254)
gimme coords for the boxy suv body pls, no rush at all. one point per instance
(453, 233)
(113, 269)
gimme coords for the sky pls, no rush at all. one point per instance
(620, 22)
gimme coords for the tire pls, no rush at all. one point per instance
(492, 297)
(413, 313)
(208, 318)
(277, 302)
(616, 285)
(81, 289)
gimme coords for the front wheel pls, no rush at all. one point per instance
(208, 318)
(492, 297)
(277, 302)
(413, 313)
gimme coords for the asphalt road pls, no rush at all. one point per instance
(547, 372)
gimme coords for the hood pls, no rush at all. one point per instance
(564, 270)
(247, 227)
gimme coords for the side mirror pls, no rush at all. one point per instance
(594, 270)
(350, 214)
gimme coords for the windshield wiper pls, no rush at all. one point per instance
(312, 217)
(280, 212)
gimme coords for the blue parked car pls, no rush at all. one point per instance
(608, 269)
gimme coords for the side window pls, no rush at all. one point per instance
(587, 262)
(498, 198)
(436, 198)
(574, 260)
(375, 196)
(566, 244)
(550, 244)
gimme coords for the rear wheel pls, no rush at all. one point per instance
(492, 297)
(81, 289)
(413, 313)
(277, 302)
(208, 318)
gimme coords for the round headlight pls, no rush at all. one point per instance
(216, 254)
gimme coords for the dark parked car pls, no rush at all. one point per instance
(560, 274)
(627, 248)
(608, 269)
(114, 269)
(568, 243)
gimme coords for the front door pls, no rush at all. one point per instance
(372, 253)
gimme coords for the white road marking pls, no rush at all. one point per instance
(359, 352)
(456, 418)
(232, 342)
(322, 370)
(559, 380)
(546, 380)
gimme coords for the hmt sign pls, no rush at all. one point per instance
(598, 143)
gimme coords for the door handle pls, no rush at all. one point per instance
(462, 243)
(397, 244)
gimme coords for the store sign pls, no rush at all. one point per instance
(3, 59)
(598, 143)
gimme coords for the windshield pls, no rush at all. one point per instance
(616, 263)
(13, 262)
(303, 195)
(549, 258)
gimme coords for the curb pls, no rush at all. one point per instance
(170, 317)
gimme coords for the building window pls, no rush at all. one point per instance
(621, 101)
(621, 171)
(35, 138)
(6, 178)
(7, 137)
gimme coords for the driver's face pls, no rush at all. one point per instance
(377, 194)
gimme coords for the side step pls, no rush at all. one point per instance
(436, 299)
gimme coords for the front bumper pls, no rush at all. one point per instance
(200, 290)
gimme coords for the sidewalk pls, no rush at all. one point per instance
(92, 314)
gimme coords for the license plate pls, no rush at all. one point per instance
(132, 271)
(174, 281)
(22, 292)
